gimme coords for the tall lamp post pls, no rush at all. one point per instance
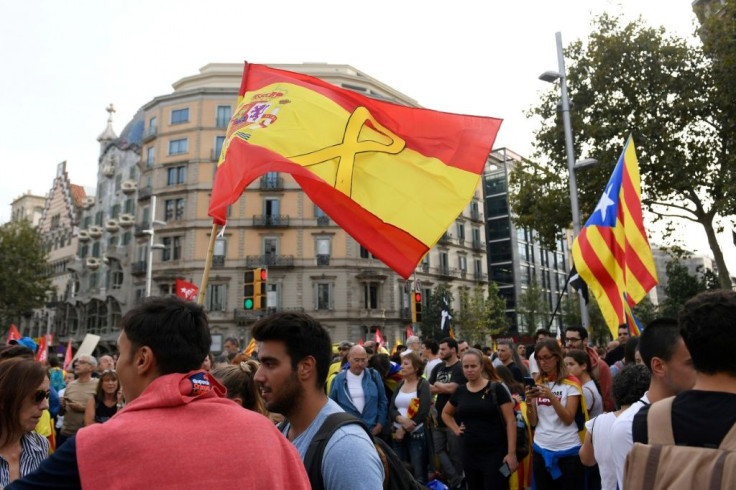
(151, 235)
(551, 77)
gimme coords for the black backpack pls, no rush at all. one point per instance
(397, 476)
(522, 431)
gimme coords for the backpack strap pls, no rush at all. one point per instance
(316, 449)
(659, 422)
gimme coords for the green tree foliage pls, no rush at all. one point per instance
(480, 316)
(645, 311)
(681, 286)
(432, 314)
(533, 306)
(676, 99)
(598, 331)
(23, 283)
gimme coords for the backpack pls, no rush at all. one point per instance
(522, 431)
(661, 464)
(397, 476)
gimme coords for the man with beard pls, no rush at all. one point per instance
(295, 353)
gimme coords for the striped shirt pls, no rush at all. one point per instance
(34, 448)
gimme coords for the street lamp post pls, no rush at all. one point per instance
(551, 77)
(151, 235)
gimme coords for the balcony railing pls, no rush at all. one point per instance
(323, 260)
(480, 276)
(478, 245)
(269, 183)
(425, 267)
(445, 238)
(150, 133)
(140, 228)
(269, 260)
(218, 261)
(144, 192)
(475, 215)
(138, 267)
(323, 220)
(271, 220)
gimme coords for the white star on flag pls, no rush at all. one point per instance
(605, 203)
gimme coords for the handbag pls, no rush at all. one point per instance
(522, 431)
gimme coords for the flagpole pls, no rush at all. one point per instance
(559, 299)
(207, 265)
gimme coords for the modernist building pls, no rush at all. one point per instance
(101, 270)
(515, 256)
(28, 207)
(314, 266)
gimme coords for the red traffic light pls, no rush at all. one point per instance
(264, 274)
(418, 297)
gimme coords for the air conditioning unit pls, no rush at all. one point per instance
(126, 220)
(112, 225)
(88, 202)
(83, 235)
(95, 231)
(92, 263)
(129, 186)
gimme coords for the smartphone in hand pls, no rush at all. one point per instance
(529, 381)
(505, 470)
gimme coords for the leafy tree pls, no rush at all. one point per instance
(23, 283)
(645, 311)
(481, 316)
(676, 99)
(681, 286)
(432, 314)
(598, 330)
(533, 306)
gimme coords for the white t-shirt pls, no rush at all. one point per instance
(622, 440)
(533, 368)
(430, 365)
(600, 431)
(552, 433)
(593, 399)
(355, 388)
(402, 402)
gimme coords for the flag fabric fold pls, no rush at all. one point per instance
(612, 253)
(393, 177)
(579, 285)
(186, 290)
(445, 318)
(68, 356)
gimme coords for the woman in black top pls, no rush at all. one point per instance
(487, 431)
(105, 402)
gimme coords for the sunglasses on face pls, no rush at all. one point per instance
(41, 395)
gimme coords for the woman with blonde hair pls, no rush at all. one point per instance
(241, 388)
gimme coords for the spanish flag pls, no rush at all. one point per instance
(612, 253)
(393, 177)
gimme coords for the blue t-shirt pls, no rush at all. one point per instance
(349, 443)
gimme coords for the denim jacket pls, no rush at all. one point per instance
(376, 403)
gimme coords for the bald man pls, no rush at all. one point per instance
(359, 391)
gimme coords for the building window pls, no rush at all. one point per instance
(323, 296)
(115, 276)
(115, 211)
(179, 116)
(86, 222)
(118, 182)
(99, 218)
(219, 141)
(126, 238)
(462, 262)
(224, 112)
(149, 157)
(172, 248)
(55, 221)
(370, 295)
(444, 263)
(176, 175)
(461, 233)
(177, 147)
(365, 254)
(152, 126)
(499, 228)
(323, 251)
(129, 206)
(174, 209)
(216, 297)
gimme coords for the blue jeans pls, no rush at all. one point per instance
(413, 449)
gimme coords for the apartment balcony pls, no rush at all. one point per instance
(481, 277)
(117, 252)
(323, 260)
(475, 215)
(149, 134)
(270, 221)
(144, 192)
(405, 313)
(447, 272)
(218, 261)
(424, 267)
(137, 268)
(478, 245)
(323, 220)
(140, 228)
(446, 239)
(463, 273)
(270, 183)
(274, 261)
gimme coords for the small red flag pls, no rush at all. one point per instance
(68, 356)
(186, 290)
(409, 331)
(378, 339)
(41, 353)
(13, 334)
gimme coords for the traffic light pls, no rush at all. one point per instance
(254, 288)
(416, 307)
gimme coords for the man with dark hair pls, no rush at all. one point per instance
(703, 416)
(176, 421)
(539, 335)
(295, 353)
(444, 380)
(576, 337)
(667, 357)
(231, 345)
(617, 353)
(462, 346)
(430, 350)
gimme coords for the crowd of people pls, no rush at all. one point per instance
(158, 415)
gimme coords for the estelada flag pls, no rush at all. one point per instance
(393, 177)
(68, 356)
(13, 334)
(251, 348)
(186, 290)
(42, 352)
(409, 331)
(612, 253)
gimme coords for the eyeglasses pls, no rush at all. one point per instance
(545, 358)
(106, 371)
(572, 339)
(41, 395)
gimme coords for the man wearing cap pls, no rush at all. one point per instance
(26, 342)
(76, 396)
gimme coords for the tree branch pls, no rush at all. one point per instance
(665, 215)
(676, 206)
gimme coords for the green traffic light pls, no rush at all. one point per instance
(248, 304)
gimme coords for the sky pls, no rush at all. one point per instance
(64, 62)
